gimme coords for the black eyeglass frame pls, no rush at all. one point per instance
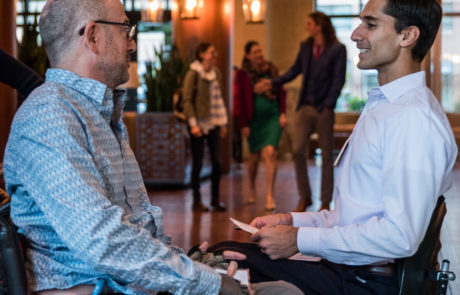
(131, 32)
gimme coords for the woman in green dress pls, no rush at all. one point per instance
(262, 117)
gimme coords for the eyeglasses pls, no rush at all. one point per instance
(130, 29)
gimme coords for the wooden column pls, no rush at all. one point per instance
(8, 96)
(215, 25)
(285, 30)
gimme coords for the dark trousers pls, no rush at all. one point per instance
(313, 278)
(197, 146)
(307, 121)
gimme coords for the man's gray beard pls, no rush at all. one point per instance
(115, 74)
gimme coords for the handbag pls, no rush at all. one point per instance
(178, 102)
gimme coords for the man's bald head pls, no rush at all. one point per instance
(61, 20)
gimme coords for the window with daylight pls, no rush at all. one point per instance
(345, 18)
(450, 56)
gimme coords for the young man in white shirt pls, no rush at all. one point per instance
(397, 162)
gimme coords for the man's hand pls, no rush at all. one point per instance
(230, 286)
(277, 242)
(228, 254)
(283, 120)
(245, 131)
(262, 86)
(272, 220)
(223, 131)
(196, 131)
(204, 247)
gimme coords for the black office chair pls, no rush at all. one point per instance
(420, 274)
(13, 280)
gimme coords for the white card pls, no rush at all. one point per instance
(241, 275)
(246, 227)
(252, 229)
(301, 257)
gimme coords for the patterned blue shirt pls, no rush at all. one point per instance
(78, 196)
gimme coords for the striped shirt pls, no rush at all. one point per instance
(218, 112)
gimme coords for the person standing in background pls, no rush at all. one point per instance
(207, 117)
(322, 61)
(20, 77)
(262, 116)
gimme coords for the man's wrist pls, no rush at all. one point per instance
(287, 219)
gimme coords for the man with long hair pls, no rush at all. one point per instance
(322, 61)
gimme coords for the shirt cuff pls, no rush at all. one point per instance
(192, 122)
(308, 240)
(209, 281)
(301, 219)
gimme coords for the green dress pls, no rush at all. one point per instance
(265, 126)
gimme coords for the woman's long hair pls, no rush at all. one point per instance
(246, 63)
(327, 29)
(256, 74)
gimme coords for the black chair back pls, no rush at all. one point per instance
(11, 257)
(415, 273)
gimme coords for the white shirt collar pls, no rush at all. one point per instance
(398, 87)
(210, 75)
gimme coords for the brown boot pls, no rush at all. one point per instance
(199, 207)
(219, 206)
(325, 206)
(302, 206)
(216, 205)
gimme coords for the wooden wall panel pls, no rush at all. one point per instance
(8, 96)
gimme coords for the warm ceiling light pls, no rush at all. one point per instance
(190, 9)
(155, 11)
(255, 7)
(254, 11)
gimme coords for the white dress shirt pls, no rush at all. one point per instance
(398, 161)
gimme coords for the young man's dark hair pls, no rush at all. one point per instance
(424, 14)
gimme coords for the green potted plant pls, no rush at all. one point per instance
(164, 77)
(356, 104)
(161, 141)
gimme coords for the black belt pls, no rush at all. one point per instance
(387, 270)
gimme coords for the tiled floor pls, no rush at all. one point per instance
(188, 229)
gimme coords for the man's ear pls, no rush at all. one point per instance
(410, 36)
(92, 37)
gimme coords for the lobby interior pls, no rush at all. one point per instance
(282, 28)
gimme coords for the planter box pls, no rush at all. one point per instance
(162, 149)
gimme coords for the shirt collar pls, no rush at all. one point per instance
(398, 87)
(197, 67)
(110, 102)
